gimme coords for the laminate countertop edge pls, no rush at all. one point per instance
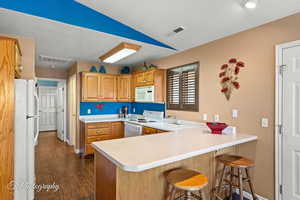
(146, 166)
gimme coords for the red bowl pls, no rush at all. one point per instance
(216, 127)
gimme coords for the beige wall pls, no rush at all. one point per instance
(27, 46)
(256, 97)
(42, 72)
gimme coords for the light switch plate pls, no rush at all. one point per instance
(217, 118)
(235, 113)
(204, 117)
(264, 123)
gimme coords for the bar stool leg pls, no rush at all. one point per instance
(202, 195)
(231, 182)
(251, 185)
(240, 175)
(170, 187)
(188, 195)
(173, 193)
(221, 179)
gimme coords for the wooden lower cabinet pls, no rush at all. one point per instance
(93, 132)
(149, 131)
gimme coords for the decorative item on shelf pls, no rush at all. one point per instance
(152, 66)
(93, 69)
(125, 70)
(229, 76)
(145, 67)
(102, 69)
(216, 127)
(99, 106)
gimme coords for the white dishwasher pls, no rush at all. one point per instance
(132, 129)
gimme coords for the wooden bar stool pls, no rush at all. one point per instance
(189, 183)
(234, 163)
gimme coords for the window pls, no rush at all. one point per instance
(182, 88)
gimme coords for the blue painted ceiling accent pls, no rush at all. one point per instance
(74, 13)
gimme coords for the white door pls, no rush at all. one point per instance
(60, 110)
(291, 124)
(48, 102)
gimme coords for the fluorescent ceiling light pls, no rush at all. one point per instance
(119, 52)
(251, 4)
(119, 55)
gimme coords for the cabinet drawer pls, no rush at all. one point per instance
(99, 131)
(99, 125)
(89, 140)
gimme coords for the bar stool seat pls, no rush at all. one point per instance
(188, 181)
(234, 163)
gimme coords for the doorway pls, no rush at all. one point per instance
(288, 121)
(52, 106)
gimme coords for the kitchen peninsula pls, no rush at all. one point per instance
(132, 168)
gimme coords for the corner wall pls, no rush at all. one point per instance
(256, 97)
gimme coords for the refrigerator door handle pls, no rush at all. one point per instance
(32, 116)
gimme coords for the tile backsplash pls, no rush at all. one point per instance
(105, 108)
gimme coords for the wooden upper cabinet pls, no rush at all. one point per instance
(18, 61)
(149, 77)
(90, 86)
(7, 104)
(108, 87)
(125, 92)
(155, 77)
(98, 87)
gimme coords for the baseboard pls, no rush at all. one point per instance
(249, 196)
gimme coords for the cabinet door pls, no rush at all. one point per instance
(117, 129)
(149, 77)
(124, 88)
(108, 86)
(6, 118)
(90, 86)
(139, 79)
(149, 131)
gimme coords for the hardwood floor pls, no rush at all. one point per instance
(57, 163)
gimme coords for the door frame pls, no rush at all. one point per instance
(64, 82)
(278, 115)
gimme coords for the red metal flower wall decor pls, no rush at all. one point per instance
(229, 76)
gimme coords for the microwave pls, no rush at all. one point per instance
(144, 94)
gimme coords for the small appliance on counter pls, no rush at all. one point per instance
(216, 127)
(124, 112)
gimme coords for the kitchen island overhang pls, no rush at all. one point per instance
(123, 163)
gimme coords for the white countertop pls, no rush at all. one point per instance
(162, 125)
(140, 153)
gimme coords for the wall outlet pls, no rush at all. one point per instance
(204, 117)
(216, 118)
(235, 113)
(89, 111)
(264, 123)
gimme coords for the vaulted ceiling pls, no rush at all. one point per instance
(86, 29)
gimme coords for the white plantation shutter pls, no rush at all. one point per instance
(182, 88)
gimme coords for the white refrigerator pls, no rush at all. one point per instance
(26, 135)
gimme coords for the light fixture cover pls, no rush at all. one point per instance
(119, 52)
(251, 4)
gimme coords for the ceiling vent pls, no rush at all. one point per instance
(55, 61)
(176, 31)
(179, 29)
